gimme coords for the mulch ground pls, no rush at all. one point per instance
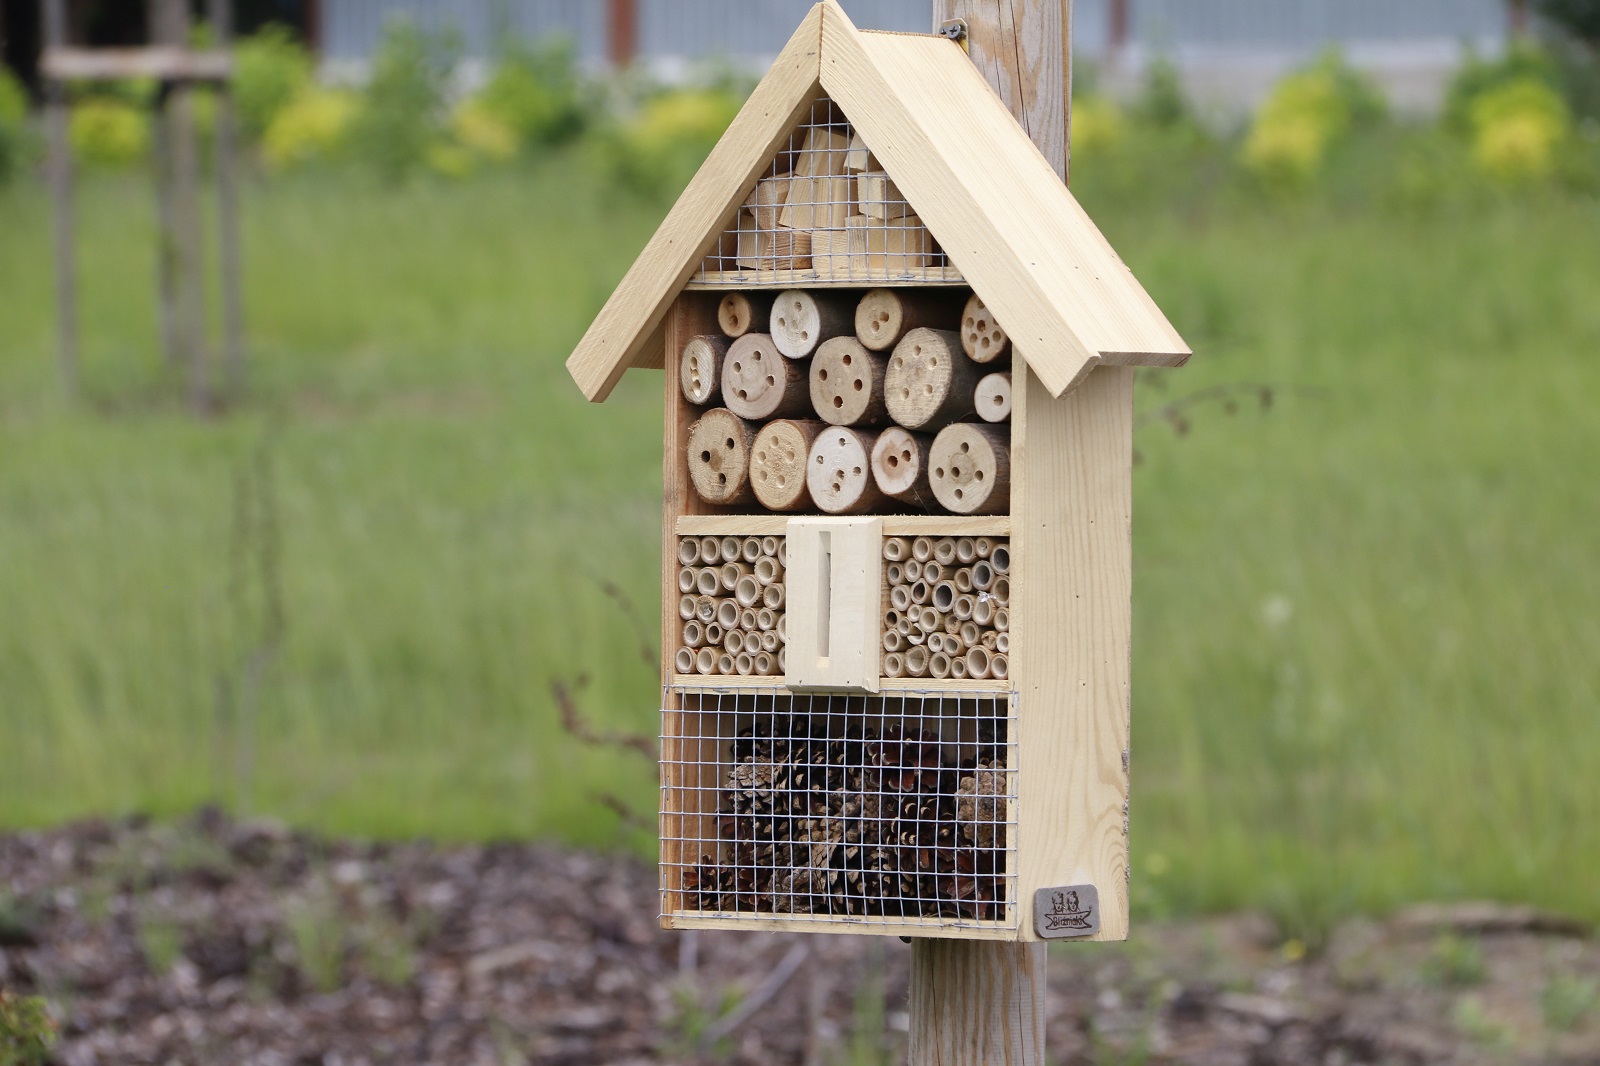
(212, 941)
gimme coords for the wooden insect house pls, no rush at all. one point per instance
(896, 558)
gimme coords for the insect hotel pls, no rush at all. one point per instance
(896, 556)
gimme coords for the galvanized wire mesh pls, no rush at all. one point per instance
(896, 809)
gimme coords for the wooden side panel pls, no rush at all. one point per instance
(620, 334)
(1071, 617)
(834, 582)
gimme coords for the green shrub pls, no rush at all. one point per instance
(656, 151)
(537, 94)
(1098, 126)
(26, 1031)
(14, 134)
(108, 131)
(1519, 129)
(314, 127)
(271, 69)
(1308, 114)
(403, 114)
(1476, 76)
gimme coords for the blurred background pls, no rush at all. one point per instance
(357, 595)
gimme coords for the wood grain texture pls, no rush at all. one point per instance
(994, 203)
(825, 923)
(975, 1003)
(834, 579)
(767, 525)
(620, 333)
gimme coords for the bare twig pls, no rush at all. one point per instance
(573, 722)
(625, 814)
(770, 986)
(648, 650)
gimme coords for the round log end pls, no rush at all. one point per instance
(719, 457)
(921, 374)
(700, 369)
(970, 469)
(992, 397)
(839, 472)
(981, 336)
(847, 383)
(778, 463)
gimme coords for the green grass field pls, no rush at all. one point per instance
(1367, 652)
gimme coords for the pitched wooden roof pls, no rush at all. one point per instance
(974, 177)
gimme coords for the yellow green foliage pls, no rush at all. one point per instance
(313, 126)
(661, 146)
(449, 159)
(109, 132)
(483, 133)
(1098, 125)
(271, 69)
(1307, 115)
(1518, 130)
(537, 93)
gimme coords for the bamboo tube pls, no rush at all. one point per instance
(1000, 558)
(783, 660)
(929, 620)
(963, 607)
(895, 574)
(944, 596)
(686, 607)
(900, 597)
(944, 551)
(892, 640)
(705, 661)
(683, 661)
(992, 397)
(782, 629)
(744, 663)
(1002, 620)
(750, 549)
(1002, 643)
(767, 570)
(920, 592)
(1002, 591)
(700, 369)
(983, 610)
(747, 620)
(915, 637)
(686, 579)
(719, 457)
(929, 383)
(768, 640)
(990, 640)
(725, 663)
(773, 595)
(939, 665)
(952, 624)
(904, 625)
(983, 575)
(741, 312)
(912, 570)
(917, 662)
(971, 634)
(847, 383)
(747, 591)
(958, 668)
(896, 549)
(733, 641)
(922, 549)
(954, 646)
(764, 663)
(885, 315)
(778, 463)
(978, 663)
(705, 609)
(891, 618)
(983, 545)
(839, 473)
(935, 643)
(932, 573)
(732, 573)
(783, 552)
(981, 336)
(710, 550)
(800, 321)
(894, 665)
(963, 579)
(713, 635)
(694, 634)
(728, 614)
(999, 667)
(966, 551)
(900, 466)
(765, 619)
(758, 383)
(688, 551)
(730, 549)
(769, 547)
(708, 581)
(971, 469)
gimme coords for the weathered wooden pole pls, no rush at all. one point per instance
(975, 1003)
(59, 168)
(220, 12)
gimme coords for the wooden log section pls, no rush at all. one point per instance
(766, 200)
(847, 383)
(930, 383)
(700, 369)
(981, 336)
(801, 321)
(719, 457)
(839, 472)
(900, 467)
(884, 316)
(759, 383)
(741, 312)
(992, 397)
(778, 467)
(970, 469)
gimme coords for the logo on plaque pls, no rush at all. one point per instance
(1072, 910)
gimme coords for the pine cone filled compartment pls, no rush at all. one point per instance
(900, 807)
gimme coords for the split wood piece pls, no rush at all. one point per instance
(884, 316)
(719, 457)
(930, 383)
(847, 383)
(766, 201)
(817, 203)
(992, 397)
(822, 153)
(888, 246)
(779, 249)
(700, 369)
(741, 312)
(801, 320)
(759, 383)
(879, 196)
(840, 472)
(971, 469)
(778, 470)
(981, 336)
(858, 156)
(900, 467)
(830, 253)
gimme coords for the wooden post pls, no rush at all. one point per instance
(220, 12)
(622, 31)
(60, 173)
(975, 1003)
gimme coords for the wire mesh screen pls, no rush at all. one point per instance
(826, 211)
(899, 809)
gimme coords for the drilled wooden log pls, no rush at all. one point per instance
(900, 467)
(970, 469)
(759, 383)
(992, 397)
(741, 312)
(884, 316)
(719, 457)
(930, 383)
(981, 336)
(700, 368)
(847, 383)
(778, 465)
(801, 321)
(839, 472)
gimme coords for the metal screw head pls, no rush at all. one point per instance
(954, 29)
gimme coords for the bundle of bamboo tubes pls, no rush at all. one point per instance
(731, 605)
(947, 608)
